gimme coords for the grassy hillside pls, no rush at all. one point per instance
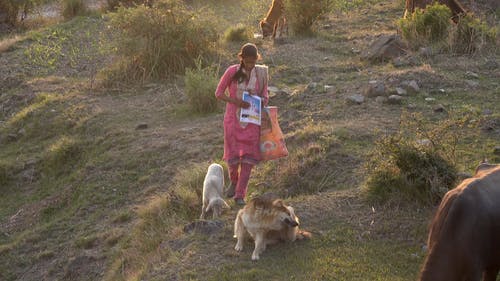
(99, 182)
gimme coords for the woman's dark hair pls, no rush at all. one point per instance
(248, 50)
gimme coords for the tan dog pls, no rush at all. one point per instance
(268, 221)
(274, 19)
(212, 192)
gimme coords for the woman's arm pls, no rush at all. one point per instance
(224, 83)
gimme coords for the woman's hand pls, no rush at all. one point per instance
(243, 104)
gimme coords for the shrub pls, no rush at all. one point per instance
(62, 155)
(302, 15)
(159, 42)
(4, 174)
(200, 85)
(11, 8)
(73, 8)
(426, 26)
(416, 163)
(239, 33)
(471, 35)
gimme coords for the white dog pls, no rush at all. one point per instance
(212, 192)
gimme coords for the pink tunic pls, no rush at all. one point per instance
(241, 144)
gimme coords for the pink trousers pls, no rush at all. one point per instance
(240, 174)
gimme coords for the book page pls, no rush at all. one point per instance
(251, 114)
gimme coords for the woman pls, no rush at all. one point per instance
(241, 140)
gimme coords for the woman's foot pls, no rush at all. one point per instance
(239, 201)
(230, 190)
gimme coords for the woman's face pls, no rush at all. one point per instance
(249, 63)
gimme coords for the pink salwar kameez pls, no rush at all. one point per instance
(241, 140)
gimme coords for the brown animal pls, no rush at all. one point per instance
(455, 7)
(268, 221)
(274, 19)
(464, 238)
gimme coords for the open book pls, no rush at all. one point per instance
(251, 114)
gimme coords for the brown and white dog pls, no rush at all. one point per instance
(274, 19)
(268, 221)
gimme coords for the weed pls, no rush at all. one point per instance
(73, 8)
(158, 42)
(426, 26)
(62, 155)
(239, 33)
(200, 84)
(471, 35)
(416, 163)
(302, 15)
(86, 242)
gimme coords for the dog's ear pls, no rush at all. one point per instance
(278, 203)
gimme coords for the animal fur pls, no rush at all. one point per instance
(274, 19)
(213, 186)
(268, 221)
(464, 235)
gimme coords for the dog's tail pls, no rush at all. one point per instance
(302, 234)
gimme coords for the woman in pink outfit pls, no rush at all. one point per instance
(241, 140)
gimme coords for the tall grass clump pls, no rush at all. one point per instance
(159, 42)
(472, 35)
(62, 155)
(417, 163)
(4, 174)
(200, 84)
(239, 33)
(302, 15)
(160, 220)
(431, 25)
(73, 8)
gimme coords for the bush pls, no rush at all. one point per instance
(471, 35)
(4, 174)
(162, 41)
(426, 26)
(418, 163)
(239, 33)
(302, 15)
(200, 85)
(62, 156)
(11, 8)
(73, 8)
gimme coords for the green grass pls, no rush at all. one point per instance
(337, 255)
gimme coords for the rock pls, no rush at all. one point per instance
(311, 87)
(385, 48)
(401, 91)
(400, 62)
(491, 65)
(395, 99)
(472, 83)
(430, 99)
(328, 88)
(411, 106)
(425, 51)
(424, 142)
(439, 108)
(356, 99)
(272, 89)
(381, 99)
(11, 137)
(375, 88)
(326, 59)
(471, 74)
(206, 227)
(487, 112)
(141, 126)
(411, 86)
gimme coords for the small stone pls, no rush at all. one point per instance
(356, 99)
(471, 74)
(487, 112)
(141, 126)
(472, 83)
(381, 99)
(439, 108)
(272, 89)
(411, 106)
(401, 91)
(424, 142)
(430, 99)
(395, 99)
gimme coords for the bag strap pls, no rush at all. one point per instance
(262, 77)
